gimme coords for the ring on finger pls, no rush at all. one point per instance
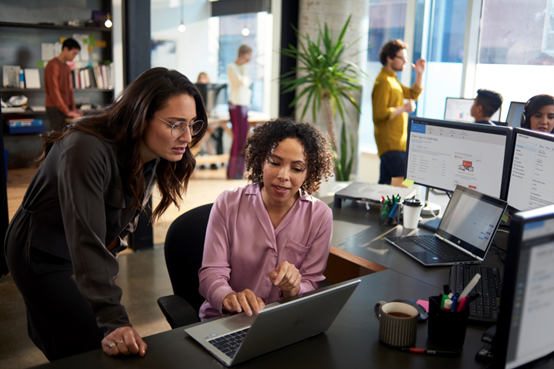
(120, 341)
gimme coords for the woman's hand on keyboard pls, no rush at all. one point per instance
(246, 301)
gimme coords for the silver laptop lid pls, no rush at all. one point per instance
(279, 324)
(471, 220)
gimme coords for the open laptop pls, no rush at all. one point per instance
(237, 338)
(464, 235)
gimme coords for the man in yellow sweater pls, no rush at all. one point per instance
(390, 113)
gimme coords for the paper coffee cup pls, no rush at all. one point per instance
(412, 211)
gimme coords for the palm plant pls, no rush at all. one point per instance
(324, 79)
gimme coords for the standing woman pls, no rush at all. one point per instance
(239, 100)
(538, 114)
(93, 181)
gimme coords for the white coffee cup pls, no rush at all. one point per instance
(412, 210)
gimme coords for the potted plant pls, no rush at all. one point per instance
(325, 79)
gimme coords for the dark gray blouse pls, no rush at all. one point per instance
(78, 207)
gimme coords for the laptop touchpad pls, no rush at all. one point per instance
(412, 247)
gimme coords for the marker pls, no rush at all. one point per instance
(444, 298)
(472, 298)
(462, 305)
(447, 305)
(471, 285)
(423, 351)
(454, 302)
(446, 289)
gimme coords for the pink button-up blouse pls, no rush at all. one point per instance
(242, 247)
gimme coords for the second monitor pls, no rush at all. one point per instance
(459, 110)
(443, 154)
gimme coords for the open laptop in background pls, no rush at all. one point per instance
(237, 338)
(464, 235)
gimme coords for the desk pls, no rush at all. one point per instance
(351, 342)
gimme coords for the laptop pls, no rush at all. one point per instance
(465, 232)
(237, 338)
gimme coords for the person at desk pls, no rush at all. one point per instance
(270, 239)
(93, 181)
(390, 113)
(538, 114)
(239, 100)
(60, 102)
(485, 105)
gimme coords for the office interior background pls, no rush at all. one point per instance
(502, 45)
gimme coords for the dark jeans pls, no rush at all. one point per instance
(56, 119)
(393, 164)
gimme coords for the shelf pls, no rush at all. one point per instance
(53, 26)
(30, 112)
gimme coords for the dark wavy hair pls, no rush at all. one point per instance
(123, 124)
(534, 105)
(265, 139)
(390, 49)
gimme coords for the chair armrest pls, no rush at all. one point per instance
(177, 311)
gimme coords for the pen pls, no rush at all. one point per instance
(470, 285)
(472, 298)
(414, 350)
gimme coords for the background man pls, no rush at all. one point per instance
(485, 105)
(390, 113)
(60, 103)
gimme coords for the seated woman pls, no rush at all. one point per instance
(270, 239)
(538, 114)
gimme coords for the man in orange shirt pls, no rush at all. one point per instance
(60, 103)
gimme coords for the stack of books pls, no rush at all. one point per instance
(92, 77)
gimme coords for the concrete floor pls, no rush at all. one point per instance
(143, 275)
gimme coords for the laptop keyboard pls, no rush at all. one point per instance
(229, 343)
(442, 249)
(485, 308)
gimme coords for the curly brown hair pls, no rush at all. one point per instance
(317, 148)
(391, 49)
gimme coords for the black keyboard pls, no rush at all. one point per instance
(229, 343)
(445, 251)
(485, 308)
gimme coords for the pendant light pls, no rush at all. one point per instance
(182, 27)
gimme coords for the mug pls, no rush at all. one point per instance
(412, 211)
(397, 323)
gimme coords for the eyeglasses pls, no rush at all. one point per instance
(179, 128)
(401, 57)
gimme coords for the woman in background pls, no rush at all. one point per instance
(93, 181)
(239, 100)
(270, 239)
(538, 114)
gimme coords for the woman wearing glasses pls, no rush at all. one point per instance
(270, 239)
(92, 183)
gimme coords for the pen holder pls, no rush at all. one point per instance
(445, 328)
(389, 213)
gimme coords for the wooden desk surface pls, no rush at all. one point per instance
(351, 342)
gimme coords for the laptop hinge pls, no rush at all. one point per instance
(458, 247)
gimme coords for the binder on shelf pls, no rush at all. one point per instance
(32, 78)
(24, 125)
(10, 76)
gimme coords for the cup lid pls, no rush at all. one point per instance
(412, 202)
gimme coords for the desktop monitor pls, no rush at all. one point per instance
(531, 178)
(210, 94)
(459, 110)
(524, 333)
(514, 114)
(443, 154)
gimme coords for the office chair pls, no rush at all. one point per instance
(184, 248)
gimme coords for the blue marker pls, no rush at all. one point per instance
(455, 301)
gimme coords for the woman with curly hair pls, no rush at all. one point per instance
(270, 239)
(93, 181)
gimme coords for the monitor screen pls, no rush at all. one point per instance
(531, 179)
(443, 154)
(459, 110)
(525, 323)
(514, 114)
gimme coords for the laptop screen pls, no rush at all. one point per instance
(471, 220)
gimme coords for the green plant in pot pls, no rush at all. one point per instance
(324, 79)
